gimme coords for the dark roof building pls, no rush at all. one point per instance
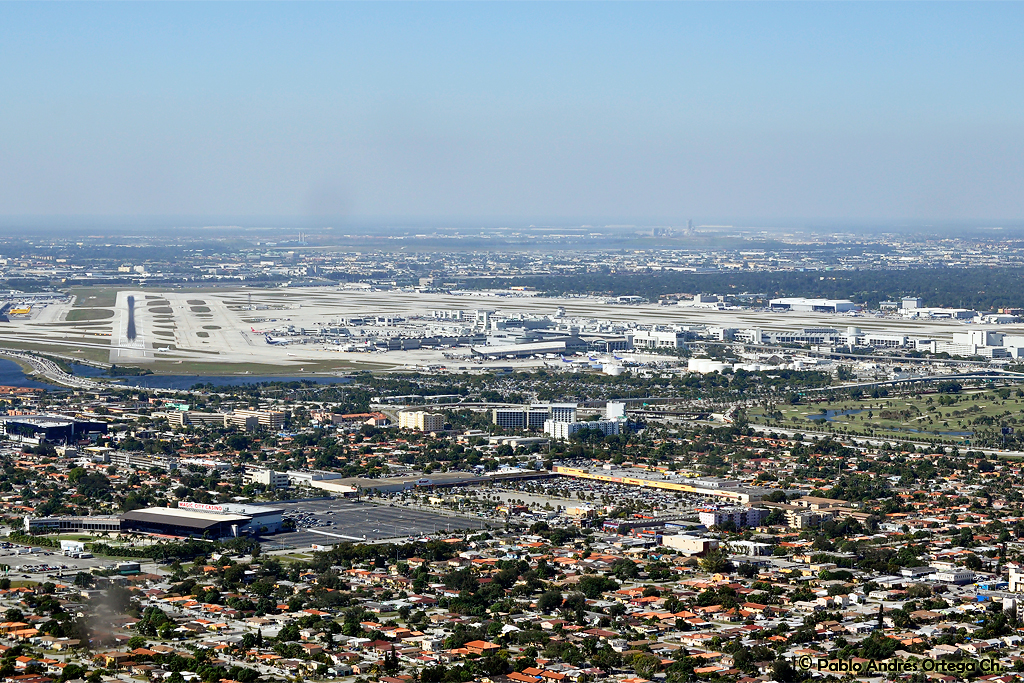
(179, 522)
(52, 428)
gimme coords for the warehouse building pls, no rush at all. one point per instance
(523, 350)
(812, 305)
(188, 519)
(54, 525)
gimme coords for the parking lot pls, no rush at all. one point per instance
(329, 522)
(51, 564)
(570, 492)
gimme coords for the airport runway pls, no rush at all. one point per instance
(230, 326)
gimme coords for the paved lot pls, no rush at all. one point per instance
(336, 521)
(50, 564)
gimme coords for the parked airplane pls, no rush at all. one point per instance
(271, 340)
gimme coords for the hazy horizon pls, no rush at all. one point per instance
(366, 114)
(337, 227)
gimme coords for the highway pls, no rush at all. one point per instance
(51, 371)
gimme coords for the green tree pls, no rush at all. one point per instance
(549, 601)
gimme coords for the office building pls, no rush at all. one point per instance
(740, 517)
(268, 419)
(182, 418)
(533, 416)
(658, 339)
(564, 430)
(265, 477)
(911, 302)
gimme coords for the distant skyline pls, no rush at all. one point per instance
(326, 113)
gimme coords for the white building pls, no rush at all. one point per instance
(265, 477)
(657, 339)
(911, 302)
(1016, 578)
(615, 410)
(564, 430)
(705, 365)
(941, 313)
(884, 340)
(704, 301)
(689, 545)
(740, 517)
(957, 576)
(979, 338)
(271, 419)
(535, 415)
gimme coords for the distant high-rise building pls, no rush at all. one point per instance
(523, 417)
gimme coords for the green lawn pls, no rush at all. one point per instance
(94, 297)
(64, 348)
(85, 314)
(311, 368)
(912, 417)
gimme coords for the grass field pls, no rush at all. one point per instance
(78, 325)
(87, 353)
(952, 418)
(85, 314)
(94, 297)
(295, 557)
(226, 369)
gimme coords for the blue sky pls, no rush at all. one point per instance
(514, 111)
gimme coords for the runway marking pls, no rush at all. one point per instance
(328, 533)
